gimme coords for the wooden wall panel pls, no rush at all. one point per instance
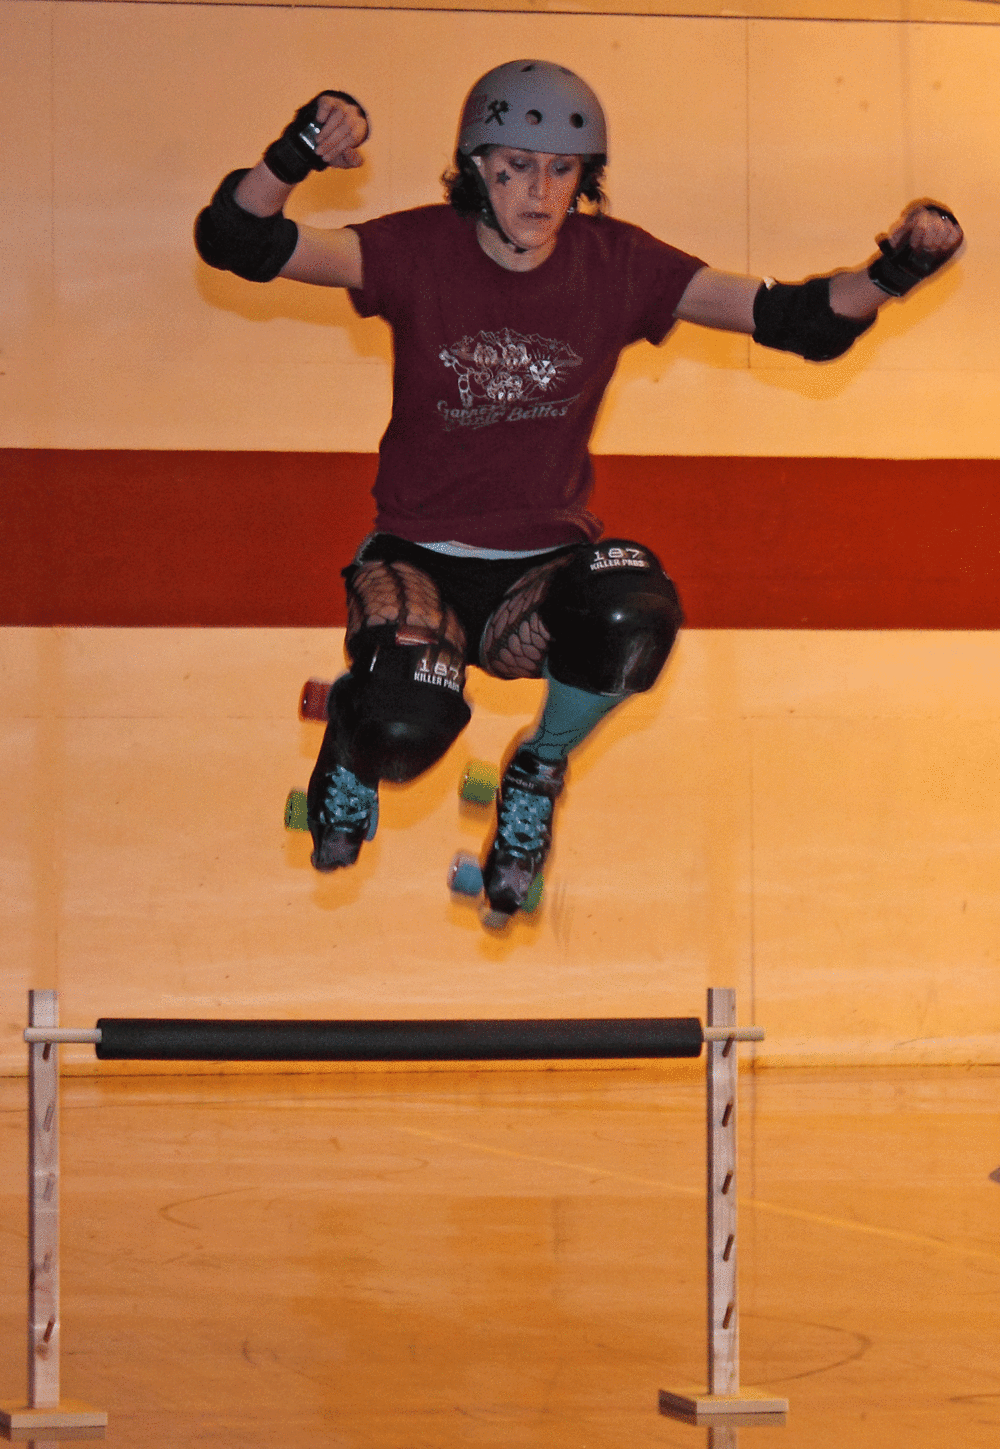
(934, 11)
(775, 146)
(809, 817)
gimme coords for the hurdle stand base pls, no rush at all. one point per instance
(749, 1406)
(68, 1420)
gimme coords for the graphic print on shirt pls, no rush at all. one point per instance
(507, 376)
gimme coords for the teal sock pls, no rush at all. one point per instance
(568, 716)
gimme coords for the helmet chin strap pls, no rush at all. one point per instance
(489, 217)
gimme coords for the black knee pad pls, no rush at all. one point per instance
(401, 706)
(613, 615)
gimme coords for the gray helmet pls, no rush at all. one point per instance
(535, 106)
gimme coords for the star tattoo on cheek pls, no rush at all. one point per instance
(502, 178)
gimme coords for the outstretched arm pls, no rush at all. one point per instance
(819, 319)
(244, 229)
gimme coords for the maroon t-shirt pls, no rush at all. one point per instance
(498, 375)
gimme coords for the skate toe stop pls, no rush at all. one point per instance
(494, 920)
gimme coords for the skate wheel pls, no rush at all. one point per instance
(533, 899)
(465, 876)
(479, 783)
(314, 698)
(296, 817)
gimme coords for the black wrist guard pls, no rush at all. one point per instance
(797, 317)
(293, 155)
(233, 240)
(901, 267)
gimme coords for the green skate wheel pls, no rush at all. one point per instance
(479, 783)
(295, 811)
(314, 699)
(533, 899)
(465, 876)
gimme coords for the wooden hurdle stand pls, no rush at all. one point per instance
(725, 1403)
(47, 1418)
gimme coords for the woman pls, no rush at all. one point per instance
(509, 308)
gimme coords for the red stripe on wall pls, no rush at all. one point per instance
(172, 539)
(818, 543)
(258, 539)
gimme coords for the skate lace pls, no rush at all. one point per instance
(524, 820)
(346, 801)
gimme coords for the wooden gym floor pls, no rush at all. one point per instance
(506, 1259)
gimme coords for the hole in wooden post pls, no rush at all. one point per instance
(729, 1315)
(728, 1046)
(727, 1182)
(727, 1251)
(727, 1115)
(49, 1115)
(46, 1051)
(50, 1329)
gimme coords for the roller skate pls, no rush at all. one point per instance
(342, 813)
(525, 804)
(339, 810)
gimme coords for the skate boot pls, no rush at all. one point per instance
(343, 814)
(525, 802)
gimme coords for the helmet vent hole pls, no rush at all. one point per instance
(577, 120)
(533, 118)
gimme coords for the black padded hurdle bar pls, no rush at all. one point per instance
(582, 1039)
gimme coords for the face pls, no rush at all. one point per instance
(531, 193)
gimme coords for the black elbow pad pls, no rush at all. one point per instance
(233, 240)
(797, 317)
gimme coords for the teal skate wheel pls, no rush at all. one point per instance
(465, 876)
(533, 899)
(296, 817)
(314, 699)
(479, 783)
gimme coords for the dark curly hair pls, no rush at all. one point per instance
(463, 183)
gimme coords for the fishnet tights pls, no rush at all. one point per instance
(515, 641)
(400, 594)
